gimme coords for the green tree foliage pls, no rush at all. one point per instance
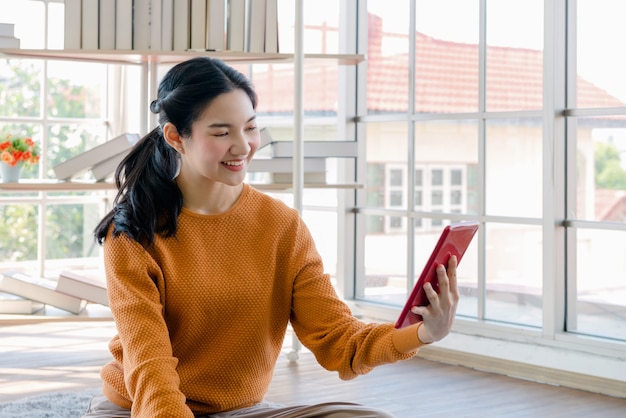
(609, 173)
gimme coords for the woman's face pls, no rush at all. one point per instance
(223, 141)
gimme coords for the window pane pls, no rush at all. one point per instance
(456, 177)
(321, 20)
(387, 57)
(514, 273)
(69, 230)
(514, 167)
(436, 198)
(514, 55)
(385, 261)
(386, 156)
(446, 156)
(600, 32)
(323, 227)
(600, 292)
(446, 56)
(18, 235)
(20, 88)
(601, 168)
(77, 89)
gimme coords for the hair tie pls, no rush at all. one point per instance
(155, 106)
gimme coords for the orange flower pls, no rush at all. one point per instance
(16, 150)
(7, 158)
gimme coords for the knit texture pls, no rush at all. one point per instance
(201, 316)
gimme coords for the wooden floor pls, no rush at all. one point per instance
(62, 356)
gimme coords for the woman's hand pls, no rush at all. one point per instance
(439, 314)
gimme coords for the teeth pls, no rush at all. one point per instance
(235, 163)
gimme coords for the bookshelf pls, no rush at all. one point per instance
(82, 186)
(173, 57)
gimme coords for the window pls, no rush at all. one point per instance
(473, 130)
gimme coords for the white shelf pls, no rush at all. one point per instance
(76, 186)
(174, 57)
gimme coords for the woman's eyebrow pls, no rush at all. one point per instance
(228, 125)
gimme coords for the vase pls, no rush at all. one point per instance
(10, 173)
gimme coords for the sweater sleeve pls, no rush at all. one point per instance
(135, 287)
(325, 325)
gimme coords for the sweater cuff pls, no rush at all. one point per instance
(406, 340)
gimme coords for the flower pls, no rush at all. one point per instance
(16, 150)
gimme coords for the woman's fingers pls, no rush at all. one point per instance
(439, 314)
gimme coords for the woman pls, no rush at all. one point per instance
(204, 272)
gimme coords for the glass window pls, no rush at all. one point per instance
(514, 167)
(514, 75)
(20, 88)
(513, 274)
(599, 292)
(387, 57)
(446, 56)
(601, 168)
(599, 33)
(386, 158)
(446, 154)
(385, 263)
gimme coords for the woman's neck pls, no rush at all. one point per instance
(210, 200)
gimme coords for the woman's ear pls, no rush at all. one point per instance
(170, 133)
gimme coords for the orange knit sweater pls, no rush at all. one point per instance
(201, 316)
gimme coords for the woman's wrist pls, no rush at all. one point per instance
(421, 338)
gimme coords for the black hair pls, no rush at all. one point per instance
(148, 201)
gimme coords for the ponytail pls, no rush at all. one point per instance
(148, 200)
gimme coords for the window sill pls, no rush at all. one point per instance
(552, 365)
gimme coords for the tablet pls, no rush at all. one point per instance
(454, 240)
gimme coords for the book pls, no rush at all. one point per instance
(285, 165)
(123, 24)
(167, 25)
(9, 42)
(87, 285)
(106, 168)
(89, 22)
(315, 149)
(17, 305)
(39, 290)
(154, 21)
(198, 24)
(7, 29)
(181, 25)
(81, 163)
(72, 26)
(216, 25)
(256, 26)
(271, 26)
(141, 25)
(236, 25)
(106, 25)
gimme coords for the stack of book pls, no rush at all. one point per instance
(101, 161)
(7, 36)
(21, 293)
(39, 290)
(166, 25)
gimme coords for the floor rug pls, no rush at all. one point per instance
(49, 405)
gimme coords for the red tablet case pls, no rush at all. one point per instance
(454, 240)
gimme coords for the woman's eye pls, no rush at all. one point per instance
(221, 134)
(252, 128)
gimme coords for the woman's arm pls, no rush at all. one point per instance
(135, 286)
